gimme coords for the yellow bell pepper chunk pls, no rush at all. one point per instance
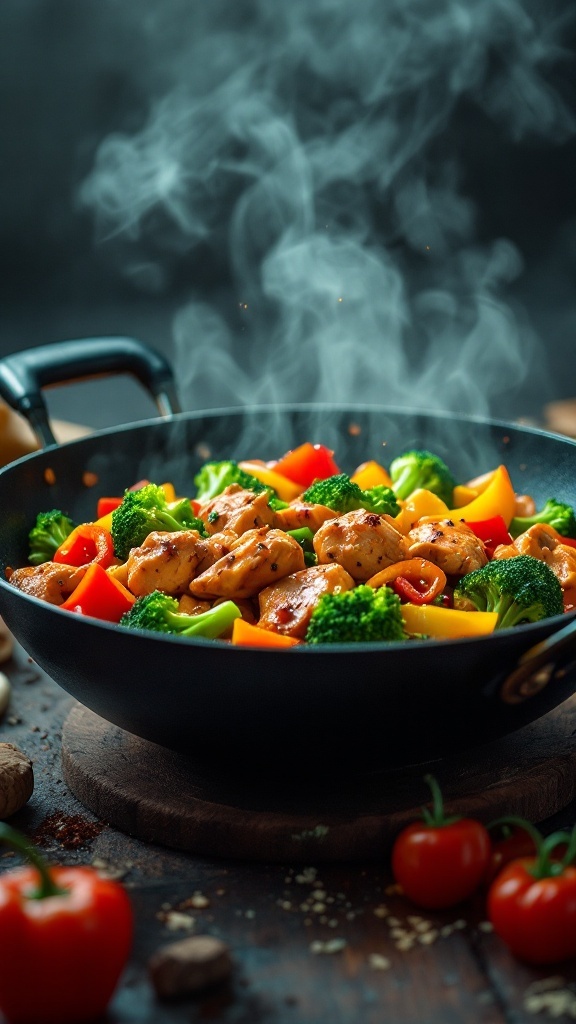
(497, 500)
(447, 623)
(169, 492)
(286, 489)
(105, 521)
(371, 474)
(463, 495)
(420, 503)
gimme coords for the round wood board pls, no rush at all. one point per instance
(163, 797)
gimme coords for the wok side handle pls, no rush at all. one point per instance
(539, 665)
(24, 374)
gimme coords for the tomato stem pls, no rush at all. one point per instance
(46, 884)
(544, 866)
(436, 818)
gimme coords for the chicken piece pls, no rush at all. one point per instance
(361, 542)
(51, 581)
(216, 546)
(165, 561)
(189, 605)
(453, 547)
(541, 541)
(258, 558)
(237, 509)
(286, 606)
(524, 505)
(303, 513)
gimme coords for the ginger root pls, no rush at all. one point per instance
(16, 779)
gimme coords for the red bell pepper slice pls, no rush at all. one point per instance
(87, 543)
(492, 532)
(99, 595)
(416, 591)
(307, 463)
(106, 506)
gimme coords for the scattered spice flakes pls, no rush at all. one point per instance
(551, 996)
(112, 872)
(198, 901)
(175, 920)
(89, 479)
(49, 475)
(328, 946)
(378, 962)
(307, 876)
(70, 830)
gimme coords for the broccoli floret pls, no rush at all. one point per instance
(362, 615)
(555, 513)
(520, 589)
(48, 533)
(159, 612)
(341, 494)
(420, 468)
(215, 477)
(145, 510)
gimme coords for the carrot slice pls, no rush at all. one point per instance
(246, 635)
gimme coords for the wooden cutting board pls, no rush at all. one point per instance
(165, 798)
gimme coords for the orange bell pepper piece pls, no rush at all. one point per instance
(99, 595)
(246, 635)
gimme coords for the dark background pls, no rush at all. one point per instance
(497, 174)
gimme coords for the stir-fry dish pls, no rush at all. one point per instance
(295, 551)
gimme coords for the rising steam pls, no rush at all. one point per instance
(313, 155)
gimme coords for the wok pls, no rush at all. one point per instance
(329, 710)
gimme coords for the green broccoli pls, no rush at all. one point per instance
(49, 531)
(145, 510)
(305, 538)
(362, 615)
(555, 513)
(215, 477)
(420, 468)
(341, 494)
(159, 612)
(520, 589)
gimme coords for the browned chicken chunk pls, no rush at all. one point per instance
(165, 561)
(258, 558)
(237, 509)
(452, 546)
(50, 581)
(541, 541)
(286, 606)
(215, 547)
(303, 513)
(361, 542)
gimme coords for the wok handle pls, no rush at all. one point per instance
(24, 374)
(551, 658)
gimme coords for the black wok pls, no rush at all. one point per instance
(327, 709)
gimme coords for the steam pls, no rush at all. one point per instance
(312, 156)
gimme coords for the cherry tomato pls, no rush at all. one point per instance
(532, 901)
(440, 861)
(535, 917)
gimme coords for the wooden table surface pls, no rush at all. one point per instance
(310, 943)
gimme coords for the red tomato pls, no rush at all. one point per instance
(535, 916)
(440, 861)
